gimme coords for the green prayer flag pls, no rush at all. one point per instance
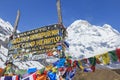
(42, 70)
(92, 60)
(113, 55)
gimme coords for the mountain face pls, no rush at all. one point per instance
(5, 31)
(87, 40)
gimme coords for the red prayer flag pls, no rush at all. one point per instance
(93, 68)
(118, 53)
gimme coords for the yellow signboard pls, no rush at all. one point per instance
(38, 40)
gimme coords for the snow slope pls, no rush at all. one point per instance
(87, 40)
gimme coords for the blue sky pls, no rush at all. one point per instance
(37, 13)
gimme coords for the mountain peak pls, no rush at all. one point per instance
(6, 27)
(79, 25)
(107, 26)
(80, 22)
(1, 20)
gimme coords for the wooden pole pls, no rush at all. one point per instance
(59, 12)
(14, 29)
(16, 23)
(60, 21)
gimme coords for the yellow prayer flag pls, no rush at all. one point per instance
(49, 67)
(54, 69)
(80, 65)
(105, 58)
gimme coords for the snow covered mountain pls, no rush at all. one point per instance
(5, 31)
(87, 40)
